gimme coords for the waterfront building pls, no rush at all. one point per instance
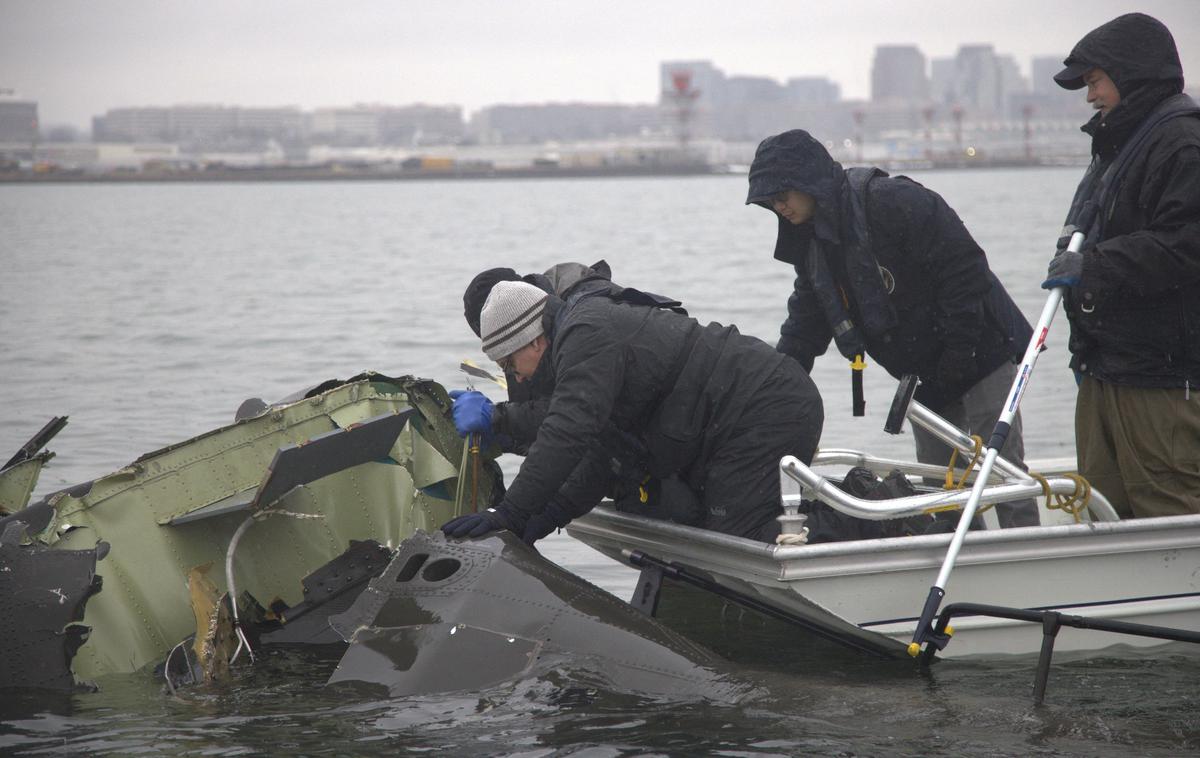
(813, 90)
(556, 122)
(18, 118)
(198, 124)
(132, 125)
(421, 125)
(287, 124)
(898, 74)
(1043, 69)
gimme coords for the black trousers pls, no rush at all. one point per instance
(739, 481)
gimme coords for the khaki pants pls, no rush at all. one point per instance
(1140, 446)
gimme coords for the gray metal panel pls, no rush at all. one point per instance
(330, 453)
(238, 501)
(309, 461)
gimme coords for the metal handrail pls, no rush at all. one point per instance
(1014, 484)
(912, 505)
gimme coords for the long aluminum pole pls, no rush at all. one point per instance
(924, 631)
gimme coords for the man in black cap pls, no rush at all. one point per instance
(884, 267)
(514, 423)
(1133, 296)
(711, 407)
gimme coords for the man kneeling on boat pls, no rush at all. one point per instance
(512, 425)
(712, 407)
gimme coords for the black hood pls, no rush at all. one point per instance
(796, 161)
(1133, 49)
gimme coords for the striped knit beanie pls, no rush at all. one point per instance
(511, 318)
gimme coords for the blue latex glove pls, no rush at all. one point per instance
(1065, 270)
(472, 412)
(478, 524)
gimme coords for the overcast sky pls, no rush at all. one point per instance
(78, 58)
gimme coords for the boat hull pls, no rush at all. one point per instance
(1143, 571)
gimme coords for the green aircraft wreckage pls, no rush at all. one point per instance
(318, 515)
(269, 499)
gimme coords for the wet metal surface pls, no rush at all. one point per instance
(449, 616)
(41, 592)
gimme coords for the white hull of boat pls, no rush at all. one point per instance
(1144, 571)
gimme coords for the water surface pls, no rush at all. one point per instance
(147, 313)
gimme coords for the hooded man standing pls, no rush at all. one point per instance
(1133, 295)
(884, 267)
(710, 406)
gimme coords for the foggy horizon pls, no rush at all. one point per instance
(79, 60)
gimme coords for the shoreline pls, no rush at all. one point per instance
(339, 173)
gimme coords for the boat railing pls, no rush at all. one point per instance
(1008, 481)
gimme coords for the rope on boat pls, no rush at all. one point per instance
(1075, 503)
(793, 539)
(950, 483)
(961, 483)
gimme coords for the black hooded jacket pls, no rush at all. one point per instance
(658, 376)
(517, 420)
(891, 257)
(1135, 315)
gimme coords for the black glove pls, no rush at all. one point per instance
(1065, 270)
(545, 521)
(955, 368)
(474, 525)
(793, 346)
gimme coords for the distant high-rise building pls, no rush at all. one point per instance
(979, 83)
(898, 73)
(18, 118)
(1047, 100)
(942, 80)
(1011, 81)
(813, 90)
(744, 90)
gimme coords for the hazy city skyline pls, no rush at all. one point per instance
(79, 59)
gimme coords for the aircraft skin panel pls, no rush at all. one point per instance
(448, 615)
(144, 609)
(17, 482)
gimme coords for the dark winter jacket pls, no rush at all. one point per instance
(1135, 315)
(676, 386)
(519, 418)
(890, 258)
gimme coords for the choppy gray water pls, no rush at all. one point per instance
(149, 312)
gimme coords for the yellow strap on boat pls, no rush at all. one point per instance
(1075, 503)
(951, 484)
